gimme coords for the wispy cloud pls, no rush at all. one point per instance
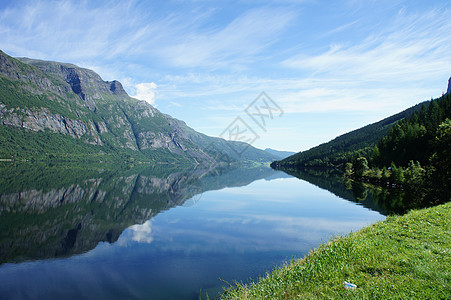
(73, 30)
(401, 64)
(80, 31)
(410, 47)
(237, 43)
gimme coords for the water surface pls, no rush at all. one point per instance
(159, 234)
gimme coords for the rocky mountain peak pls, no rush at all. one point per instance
(87, 84)
(8, 67)
(449, 86)
(116, 88)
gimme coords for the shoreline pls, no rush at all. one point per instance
(400, 257)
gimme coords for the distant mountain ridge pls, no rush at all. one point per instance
(51, 109)
(279, 154)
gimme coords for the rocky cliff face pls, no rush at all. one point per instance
(448, 91)
(41, 119)
(63, 98)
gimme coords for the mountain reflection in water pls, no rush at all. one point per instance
(53, 211)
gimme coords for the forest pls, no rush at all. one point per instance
(413, 155)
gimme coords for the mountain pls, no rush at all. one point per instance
(52, 110)
(279, 154)
(337, 152)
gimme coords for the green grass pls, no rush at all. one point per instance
(402, 257)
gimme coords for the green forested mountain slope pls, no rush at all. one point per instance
(414, 138)
(339, 150)
(54, 110)
(409, 152)
(418, 151)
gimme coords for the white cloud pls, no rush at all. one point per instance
(145, 91)
(142, 233)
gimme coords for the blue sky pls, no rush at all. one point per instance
(331, 66)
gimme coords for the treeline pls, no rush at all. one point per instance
(415, 156)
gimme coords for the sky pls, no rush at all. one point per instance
(295, 73)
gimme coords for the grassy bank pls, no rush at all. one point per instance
(403, 257)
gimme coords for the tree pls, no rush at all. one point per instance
(414, 177)
(348, 169)
(375, 156)
(360, 166)
(397, 174)
(440, 175)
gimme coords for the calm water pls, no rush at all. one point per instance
(154, 234)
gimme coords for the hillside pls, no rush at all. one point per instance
(408, 152)
(51, 110)
(337, 152)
